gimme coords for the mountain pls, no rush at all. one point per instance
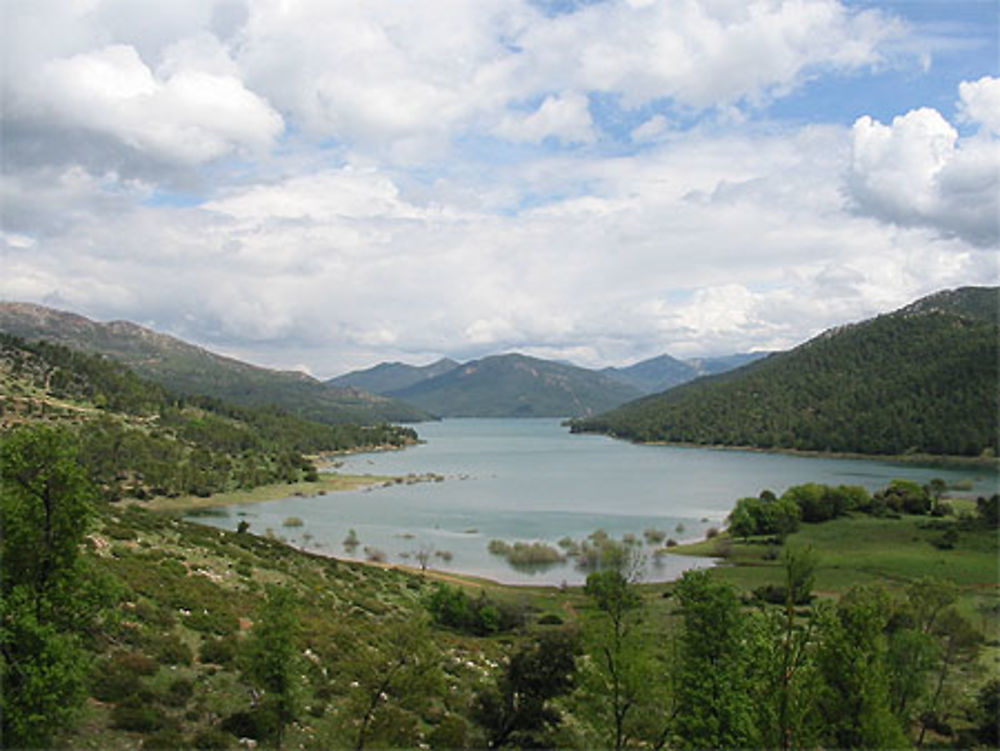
(922, 379)
(188, 369)
(977, 303)
(517, 386)
(664, 372)
(392, 376)
(724, 363)
(653, 375)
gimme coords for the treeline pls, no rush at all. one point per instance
(813, 502)
(146, 440)
(339, 656)
(897, 384)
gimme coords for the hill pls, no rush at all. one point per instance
(189, 369)
(517, 386)
(922, 379)
(392, 376)
(139, 440)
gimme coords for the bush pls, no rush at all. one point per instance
(168, 649)
(777, 594)
(453, 608)
(119, 678)
(138, 717)
(179, 692)
(533, 554)
(211, 739)
(218, 651)
(164, 740)
(499, 547)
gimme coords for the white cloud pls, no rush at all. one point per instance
(354, 197)
(917, 170)
(191, 115)
(979, 102)
(565, 117)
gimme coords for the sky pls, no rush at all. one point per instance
(326, 184)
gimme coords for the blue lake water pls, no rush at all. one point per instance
(532, 480)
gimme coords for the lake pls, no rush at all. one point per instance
(531, 479)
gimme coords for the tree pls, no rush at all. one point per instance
(619, 675)
(713, 708)
(47, 500)
(959, 644)
(986, 714)
(48, 595)
(517, 710)
(786, 682)
(394, 676)
(852, 661)
(272, 662)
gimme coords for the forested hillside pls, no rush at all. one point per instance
(923, 379)
(138, 439)
(187, 369)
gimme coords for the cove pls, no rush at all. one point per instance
(530, 479)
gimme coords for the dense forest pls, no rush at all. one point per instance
(140, 440)
(922, 380)
(123, 627)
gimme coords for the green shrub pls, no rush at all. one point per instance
(481, 616)
(179, 692)
(119, 677)
(218, 651)
(164, 740)
(211, 739)
(169, 649)
(138, 717)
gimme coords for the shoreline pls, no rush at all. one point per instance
(940, 460)
(329, 482)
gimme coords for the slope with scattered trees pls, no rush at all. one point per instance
(186, 369)
(140, 440)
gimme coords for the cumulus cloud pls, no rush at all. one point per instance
(384, 180)
(918, 171)
(979, 102)
(191, 115)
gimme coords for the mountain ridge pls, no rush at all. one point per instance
(516, 385)
(194, 370)
(921, 379)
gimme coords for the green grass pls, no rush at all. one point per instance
(860, 549)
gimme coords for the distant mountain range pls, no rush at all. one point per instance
(187, 369)
(922, 379)
(664, 372)
(515, 385)
(387, 377)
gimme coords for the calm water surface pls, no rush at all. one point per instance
(533, 480)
